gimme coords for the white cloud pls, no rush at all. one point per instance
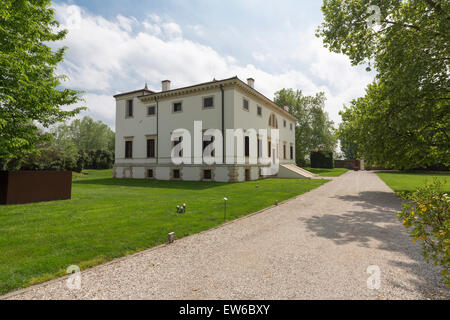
(259, 56)
(126, 23)
(152, 28)
(154, 17)
(171, 29)
(101, 107)
(106, 57)
(198, 30)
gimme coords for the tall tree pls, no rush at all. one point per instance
(404, 119)
(29, 87)
(313, 129)
(349, 149)
(85, 135)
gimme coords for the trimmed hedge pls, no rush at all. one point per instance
(52, 159)
(322, 159)
(96, 159)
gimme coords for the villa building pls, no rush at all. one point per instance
(145, 121)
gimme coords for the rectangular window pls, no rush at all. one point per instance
(284, 123)
(128, 149)
(176, 173)
(208, 102)
(150, 148)
(247, 174)
(177, 107)
(151, 111)
(129, 112)
(291, 125)
(269, 151)
(292, 153)
(207, 174)
(245, 104)
(284, 151)
(150, 173)
(247, 146)
(259, 111)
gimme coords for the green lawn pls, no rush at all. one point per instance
(407, 181)
(109, 218)
(335, 172)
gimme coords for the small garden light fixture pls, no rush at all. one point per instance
(182, 208)
(171, 237)
(225, 209)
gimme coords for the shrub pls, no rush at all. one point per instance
(97, 159)
(322, 159)
(426, 215)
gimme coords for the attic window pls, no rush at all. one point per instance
(245, 104)
(177, 107)
(259, 111)
(129, 111)
(151, 111)
(208, 102)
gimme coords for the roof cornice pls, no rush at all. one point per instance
(213, 85)
(133, 92)
(188, 90)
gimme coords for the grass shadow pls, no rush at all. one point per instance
(376, 225)
(374, 200)
(147, 183)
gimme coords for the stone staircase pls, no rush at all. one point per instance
(292, 171)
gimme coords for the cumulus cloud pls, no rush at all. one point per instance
(198, 30)
(106, 57)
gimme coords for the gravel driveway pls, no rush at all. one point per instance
(317, 246)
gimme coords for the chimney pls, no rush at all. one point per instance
(286, 108)
(251, 82)
(165, 85)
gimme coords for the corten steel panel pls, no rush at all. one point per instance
(3, 186)
(35, 186)
(348, 164)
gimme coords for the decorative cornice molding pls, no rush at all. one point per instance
(215, 85)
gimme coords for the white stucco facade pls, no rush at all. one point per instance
(227, 112)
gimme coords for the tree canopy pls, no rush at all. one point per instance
(403, 121)
(349, 149)
(85, 135)
(313, 129)
(30, 93)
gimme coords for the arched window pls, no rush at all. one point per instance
(273, 122)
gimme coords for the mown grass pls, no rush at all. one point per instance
(108, 218)
(406, 182)
(335, 172)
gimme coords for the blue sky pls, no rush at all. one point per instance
(116, 46)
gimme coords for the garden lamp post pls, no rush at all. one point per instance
(225, 209)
